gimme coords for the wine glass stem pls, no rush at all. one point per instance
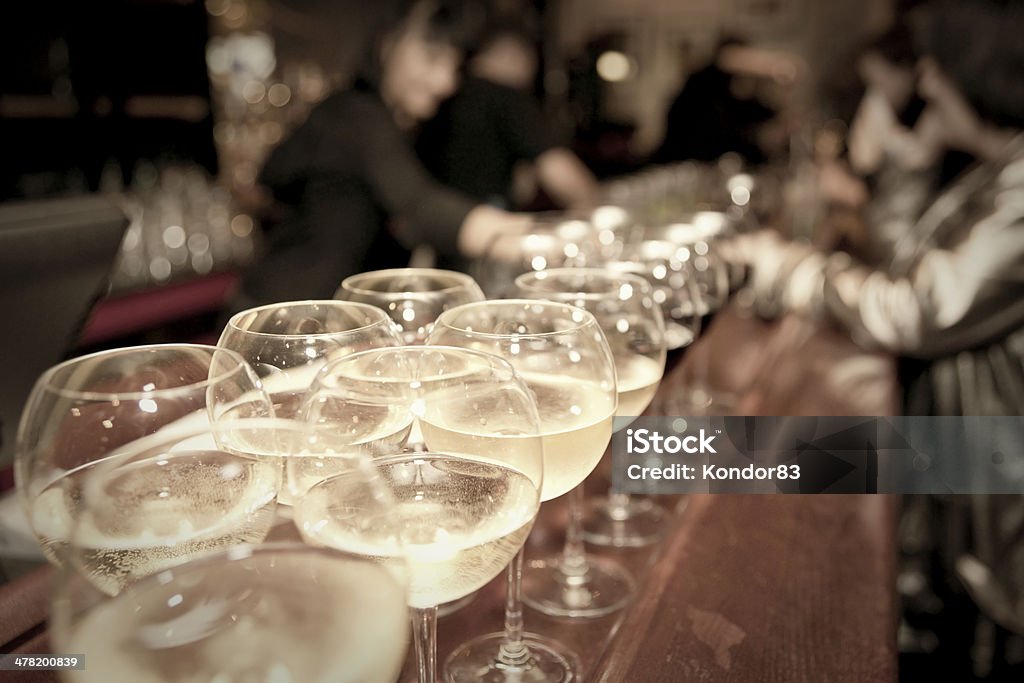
(618, 506)
(574, 557)
(424, 629)
(513, 651)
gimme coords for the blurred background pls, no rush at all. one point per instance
(169, 109)
(173, 105)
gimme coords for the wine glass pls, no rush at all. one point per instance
(281, 611)
(464, 508)
(631, 320)
(287, 344)
(562, 355)
(278, 611)
(123, 406)
(554, 240)
(694, 239)
(664, 265)
(413, 297)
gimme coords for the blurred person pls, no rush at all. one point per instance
(890, 106)
(493, 123)
(950, 303)
(938, 298)
(716, 111)
(350, 194)
(887, 177)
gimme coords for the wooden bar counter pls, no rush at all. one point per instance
(744, 588)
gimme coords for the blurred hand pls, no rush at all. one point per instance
(951, 121)
(752, 247)
(484, 224)
(839, 185)
(783, 275)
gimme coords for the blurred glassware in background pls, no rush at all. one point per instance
(555, 240)
(412, 297)
(664, 265)
(183, 224)
(694, 238)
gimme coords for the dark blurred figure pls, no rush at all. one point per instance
(715, 112)
(350, 193)
(893, 168)
(493, 123)
(887, 178)
(950, 302)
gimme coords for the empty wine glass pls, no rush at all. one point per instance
(413, 297)
(562, 355)
(287, 344)
(553, 241)
(694, 239)
(632, 321)
(126, 407)
(465, 508)
(664, 265)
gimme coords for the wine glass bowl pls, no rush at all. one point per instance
(464, 506)
(664, 264)
(694, 239)
(283, 611)
(288, 343)
(122, 407)
(562, 355)
(624, 306)
(412, 297)
(631, 320)
(554, 240)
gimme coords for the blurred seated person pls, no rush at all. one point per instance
(954, 286)
(896, 163)
(494, 123)
(950, 302)
(883, 183)
(717, 110)
(350, 193)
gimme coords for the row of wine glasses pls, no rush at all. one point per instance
(417, 459)
(680, 258)
(185, 477)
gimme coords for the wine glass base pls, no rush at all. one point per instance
(605, 588)
(639, 523)
(477, 662)
(455, 605)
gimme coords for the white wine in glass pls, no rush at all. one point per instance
(562, 355)
(462, 514)
(274, 611)
(625, 307)
(155, 433)
(288, 343)
(277, 612)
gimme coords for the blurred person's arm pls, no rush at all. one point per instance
(566, 179)
(962, 297)
(560, 172)
(431, 213)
